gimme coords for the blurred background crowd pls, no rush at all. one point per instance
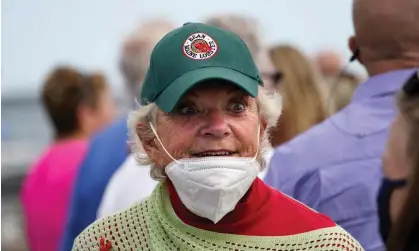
(76, 66)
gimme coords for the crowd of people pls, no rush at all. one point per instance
(232, 144)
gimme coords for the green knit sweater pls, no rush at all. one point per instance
(153, 225)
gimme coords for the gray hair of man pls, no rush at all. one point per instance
(247, 28)
(269, 108)
(136, 51)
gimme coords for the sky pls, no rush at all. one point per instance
(38, 35)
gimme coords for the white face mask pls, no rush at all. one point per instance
(211, 187)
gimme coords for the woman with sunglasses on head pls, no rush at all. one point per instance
(303, 93)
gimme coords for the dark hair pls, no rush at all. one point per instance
(405, 232)
(64, 90)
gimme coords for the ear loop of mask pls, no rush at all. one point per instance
(164, 148)
(257, 143)
(158, 139)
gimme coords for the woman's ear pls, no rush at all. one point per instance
(149, 142)
(147, 139)
(354, 47)
(262, 129)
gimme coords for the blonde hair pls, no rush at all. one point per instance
(341, 91)
(269, 107)
(303, 93)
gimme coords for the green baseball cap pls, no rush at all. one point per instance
(192, 54)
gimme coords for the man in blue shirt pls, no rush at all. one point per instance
(109, 148)
(335, 167)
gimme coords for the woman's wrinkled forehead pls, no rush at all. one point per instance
(214, 88)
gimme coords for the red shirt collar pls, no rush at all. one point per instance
(251, 202)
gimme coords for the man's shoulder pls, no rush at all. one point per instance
(312, 136)
(131, 174)
(108, 147)
(311, 144)
(130, 163)
(116, 129)
(302, 158)
(129, 177)
(341, 133)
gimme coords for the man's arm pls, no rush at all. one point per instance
(343, 204)
(328, 194)
(350, 207)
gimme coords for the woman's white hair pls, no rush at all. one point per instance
(269, 108)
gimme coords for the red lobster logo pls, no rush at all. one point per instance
(203, 47)
(105, 245)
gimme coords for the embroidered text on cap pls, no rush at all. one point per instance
(199, 46)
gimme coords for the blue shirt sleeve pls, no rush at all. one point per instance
(107, 151)
(80, 215)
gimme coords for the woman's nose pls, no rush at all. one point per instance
(216, 125)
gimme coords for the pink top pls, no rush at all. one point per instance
(46, 192)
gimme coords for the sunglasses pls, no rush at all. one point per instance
(275, 77)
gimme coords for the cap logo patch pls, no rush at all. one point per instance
(199, 46)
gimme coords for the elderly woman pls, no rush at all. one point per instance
(130, 176)
(203, 125)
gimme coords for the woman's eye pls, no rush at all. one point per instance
(188, 110)
(238, 107)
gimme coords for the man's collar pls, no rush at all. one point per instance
(382, 84)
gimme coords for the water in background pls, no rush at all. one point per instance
(25, 132)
